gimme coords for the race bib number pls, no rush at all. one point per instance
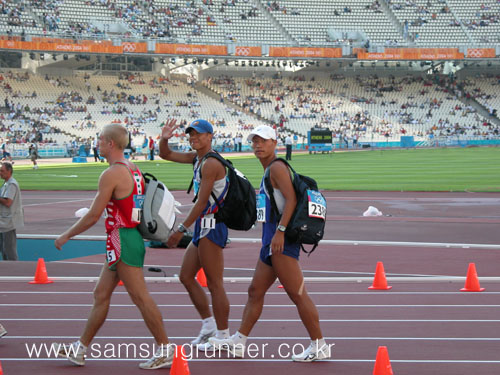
(111, 256)
(139, 201)
(208, 223)
(317, 204)
(261, 208)
(137, 209)
(136, 215)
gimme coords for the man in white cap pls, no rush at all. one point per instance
(210, 237)
(278, 257)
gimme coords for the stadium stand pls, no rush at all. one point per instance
(64, 102)
(369, 108)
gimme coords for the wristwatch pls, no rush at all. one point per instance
(181, 228)
(281, 228)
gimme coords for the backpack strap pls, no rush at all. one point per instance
(310, 251)
(148, 202)
(192, 179)
(216, 155)
(270, 189)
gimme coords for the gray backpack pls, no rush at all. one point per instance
(158, 211)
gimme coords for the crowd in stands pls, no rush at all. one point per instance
(383, 107)
(358, 108)
(78, 113)
(190, 20)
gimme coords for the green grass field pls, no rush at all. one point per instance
(445, 169)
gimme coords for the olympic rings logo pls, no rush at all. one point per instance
(242, 51)
(128, 47)
(475, 52)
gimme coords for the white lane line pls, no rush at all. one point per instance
(308, 279)
(268, 293)
(271, 306)
(417, 199)
(267, 320)
(323, 242)
(254, 360)
(268, 338)
(58, 202)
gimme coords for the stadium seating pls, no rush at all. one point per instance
(364, 107)
(429, 23)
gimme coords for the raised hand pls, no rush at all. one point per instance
(168, 129)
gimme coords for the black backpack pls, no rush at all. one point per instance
(239, 210)
(307, 224)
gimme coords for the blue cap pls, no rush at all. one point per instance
(201, 126)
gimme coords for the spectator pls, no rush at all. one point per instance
(151, 147)
(11, 213)
(288, 145)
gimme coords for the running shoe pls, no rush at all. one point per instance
(163, 357)
(73, 352)
(3, 331)
(234, 350)
(203, 337)
(313, 353)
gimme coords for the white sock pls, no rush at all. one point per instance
(208, 324)
(318, 343)
(222, 333)
(239, 338)
(83, 347)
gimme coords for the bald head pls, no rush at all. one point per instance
(116, 133)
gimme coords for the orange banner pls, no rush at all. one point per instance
(61, 47)
(413, 54)
(129, 47)
(248, 51)
(71, 41)
(476, 53)
(304, 52)
(190, 49)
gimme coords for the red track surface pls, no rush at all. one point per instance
(429, 328)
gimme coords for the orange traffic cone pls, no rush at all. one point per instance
(380, 282)
(382, 362)
(281, 286)
(41, 273)
(1, 371)
(120, 282)
(471, 281)
(179, 364)
(201, 277)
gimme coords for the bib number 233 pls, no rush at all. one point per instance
(317, 205)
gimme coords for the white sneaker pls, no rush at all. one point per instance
(313, 353)
(205, 347)
(203, 337)
(3, 331)
(73, 352)
(162, 358)
(235, 350)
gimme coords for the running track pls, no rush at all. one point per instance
(428, 326)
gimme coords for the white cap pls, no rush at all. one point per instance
(262, 131)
